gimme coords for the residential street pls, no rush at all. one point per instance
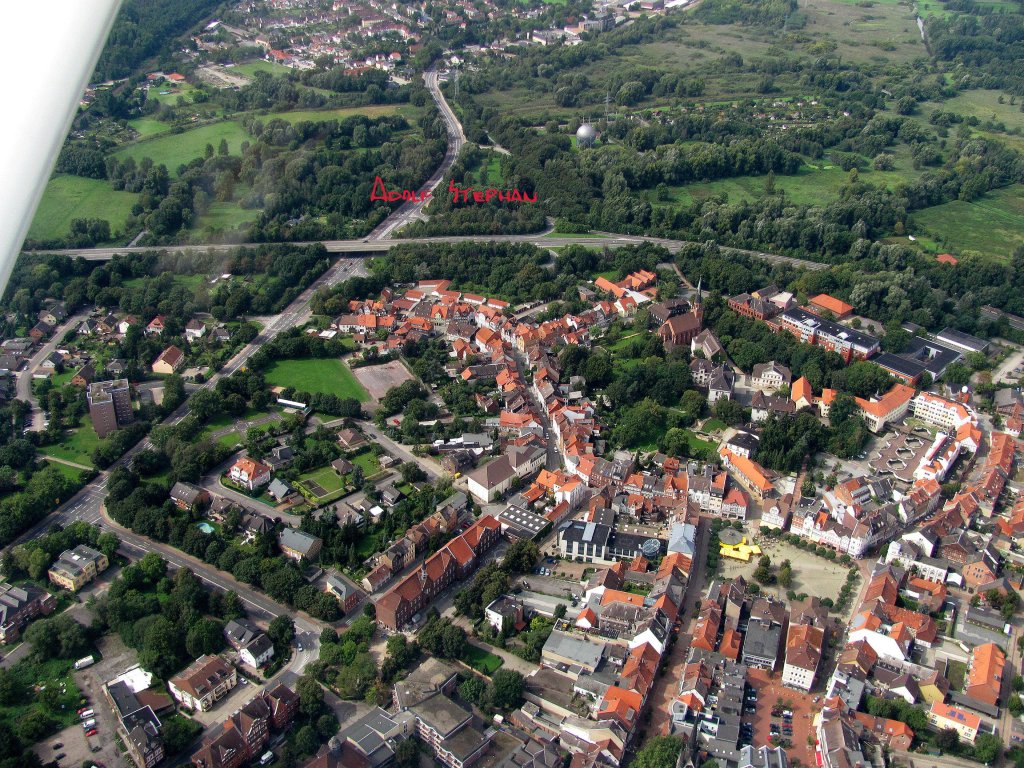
(24, 382)
(665, 686)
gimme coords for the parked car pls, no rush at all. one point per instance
(91, 733)
(57, 745)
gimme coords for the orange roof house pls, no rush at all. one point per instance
(947, 258)
(751, 475)
(891, 733)
(985, 674)
(705, 633)
(825, 303)
(801, 393)
(883, 587)
(732, 642)
(606, 285)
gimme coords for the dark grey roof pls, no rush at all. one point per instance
(762, 642)
(587, 533)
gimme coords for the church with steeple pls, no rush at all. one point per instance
(680, 329)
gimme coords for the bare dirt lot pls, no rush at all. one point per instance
(378, 379)
(813, 575)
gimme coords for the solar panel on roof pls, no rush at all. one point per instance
(588, 531)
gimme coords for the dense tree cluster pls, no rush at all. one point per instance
(146, 509)
(144, 28)
(34, 557)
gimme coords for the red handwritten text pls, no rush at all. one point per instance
(380, 192)
(465, 194)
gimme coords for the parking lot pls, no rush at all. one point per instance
(769, 692)
(76, 748)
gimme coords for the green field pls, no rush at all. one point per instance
(992, 225)
(481, 660)
(812, 185)
(77, 446)
(327, 375)
(984, 105)
(186, 281)
(31, 677)
(259, 65)
(318, 115)
(74, 197)
(176, 149)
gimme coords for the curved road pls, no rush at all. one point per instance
(410, 210)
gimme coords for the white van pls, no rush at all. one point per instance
(86, 715)
(267, 758)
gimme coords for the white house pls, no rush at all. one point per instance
(195, 330)
(804, 646)
(258, 652)
(250, 473)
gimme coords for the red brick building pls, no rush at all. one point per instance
(456, 560)
(246, 733)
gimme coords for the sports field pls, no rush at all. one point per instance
(378, 379)
(74, 197)
(992, 225)
(327, 375)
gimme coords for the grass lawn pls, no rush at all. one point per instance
(147, 126)
(77, 446)
(697, 444)
(813, 185)
(71, 473)
(229, 440)
(955, 673)
(174, 149)
(326, 478)
(366, 546)
(368, 463)
(73, 197)
(984, 105)
(993, 224)
(226, 216)
(481, 660)
(259, 65)
(58, 380)
(328, 375)
(714, 425)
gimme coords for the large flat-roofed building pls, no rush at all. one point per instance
(110, 405)
(448, 730)
(77, 567)
(960, 341)
(811, 329)
(588, 541)
(571, 653)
